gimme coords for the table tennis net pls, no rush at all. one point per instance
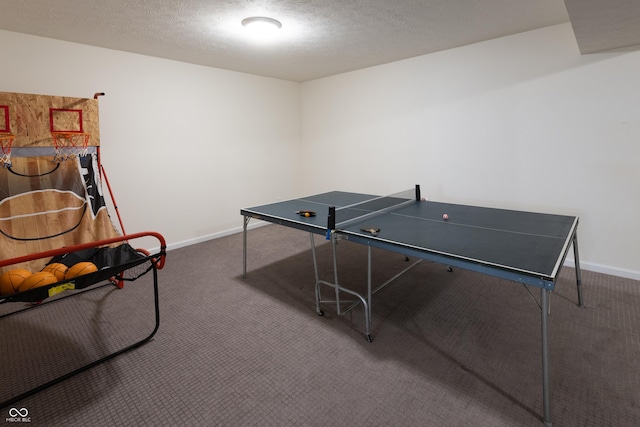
(360, 211)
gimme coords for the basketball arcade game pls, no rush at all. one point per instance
(56, 237)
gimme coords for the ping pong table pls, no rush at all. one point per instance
(524, 247)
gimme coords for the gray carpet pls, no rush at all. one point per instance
(449, 349)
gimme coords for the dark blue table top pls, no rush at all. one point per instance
(528, 242)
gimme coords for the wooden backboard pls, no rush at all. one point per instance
(32, 118)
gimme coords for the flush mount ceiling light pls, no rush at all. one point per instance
(261, 23)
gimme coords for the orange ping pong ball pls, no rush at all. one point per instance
(307, 214)
(445, 217)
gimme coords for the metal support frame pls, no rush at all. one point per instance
(544, 316)
(365, 301)
(545, 285)
(244, 245)
(103, 359)
(110, 356)
(577, 268)
(544, 305)
(157, 262)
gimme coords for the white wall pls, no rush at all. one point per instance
(184, 146)
(522, 122)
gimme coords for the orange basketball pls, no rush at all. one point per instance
(41, 278)
(58, 269)
(11, 280)
(79, 269)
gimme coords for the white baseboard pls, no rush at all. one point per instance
(201, 239)
(605, 269)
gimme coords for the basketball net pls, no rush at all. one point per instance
(69, 145)
(5, 146)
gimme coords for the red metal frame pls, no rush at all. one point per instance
(113, 200)
(79, 247)
(69, 110)
(156, 265)
(7, 123)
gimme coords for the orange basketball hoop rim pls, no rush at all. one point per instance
(6, 140)
(69, 145)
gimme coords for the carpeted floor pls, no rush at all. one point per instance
(450, 348)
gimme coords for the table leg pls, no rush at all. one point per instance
(244, 246)
(336, 285)
(335, 272)
(577, 267)
(369, 292)
(315, 271)
(544, 298)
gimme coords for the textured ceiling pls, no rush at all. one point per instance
(318, 38)
(605, 25)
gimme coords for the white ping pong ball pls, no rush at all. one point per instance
(445, 217)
